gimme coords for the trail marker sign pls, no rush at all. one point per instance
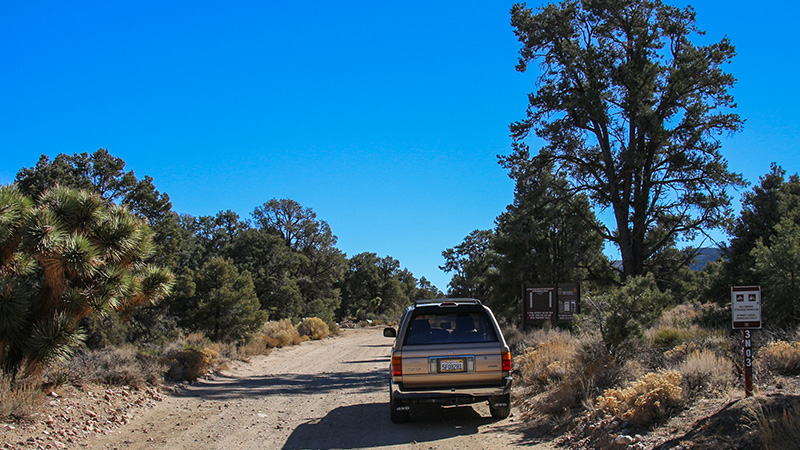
(746, 307)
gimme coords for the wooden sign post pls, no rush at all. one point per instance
(746, 308)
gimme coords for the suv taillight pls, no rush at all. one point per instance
(397, 366)
(506, 361)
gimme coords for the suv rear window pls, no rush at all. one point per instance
(450, 327)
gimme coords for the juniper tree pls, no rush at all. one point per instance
(631, 111)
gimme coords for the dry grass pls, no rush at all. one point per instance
(538, 336)
(646, 400)
(680, 316)
(669, 336)
(778, 430)
(781, 357)
(313, 327)
(707, 374)
(559, 371)
(259, 345)
(122, 366)
(19, 398)
(548, 362)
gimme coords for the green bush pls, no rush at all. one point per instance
(623, 313)
(669, 337)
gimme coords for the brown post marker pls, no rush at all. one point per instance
(748, 363)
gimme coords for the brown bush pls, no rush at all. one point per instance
(191, 364)
(717, 344)
(706, 373)
(541, 335)
(259, 345)
(313, 327)
(19, 398)
(646, 400)
(123, 366)
(281, 333)
(548, 362)
(781, 357)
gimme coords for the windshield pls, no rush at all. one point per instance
(450, 328)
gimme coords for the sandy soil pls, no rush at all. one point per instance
(321, 394)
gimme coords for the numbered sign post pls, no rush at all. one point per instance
(748, 363)
(746, 308)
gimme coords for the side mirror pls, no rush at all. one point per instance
(389, 332)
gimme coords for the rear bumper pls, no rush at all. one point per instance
(450, 395)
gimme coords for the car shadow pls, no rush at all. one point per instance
(368, 425)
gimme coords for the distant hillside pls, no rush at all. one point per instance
(704, 256)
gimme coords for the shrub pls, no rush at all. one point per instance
(600, 369)
(646, 400)
(554, 365)
(122, 366)
(704, 372)
(781, 357)
(669, 337)
(539, 336)
(19, 398)
(259, 345)
(548, 362)
(313, 327)
(717, 344)
(280, 333)
(622, 314)
(191, 364)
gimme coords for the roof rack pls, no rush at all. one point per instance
(438, 301)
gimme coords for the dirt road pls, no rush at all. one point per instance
(318, 395)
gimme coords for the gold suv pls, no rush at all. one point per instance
(449, 351)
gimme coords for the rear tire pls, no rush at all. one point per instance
(400, 416)
(497, 409)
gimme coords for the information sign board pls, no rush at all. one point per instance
(746, 307)
(551, 303)
(539, 303)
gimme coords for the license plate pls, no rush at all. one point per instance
(451, 365)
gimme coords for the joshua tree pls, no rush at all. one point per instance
(63, 257)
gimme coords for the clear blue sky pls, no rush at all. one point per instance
(385, 118)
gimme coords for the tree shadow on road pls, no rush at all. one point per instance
(231, 388)
(368, 425)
